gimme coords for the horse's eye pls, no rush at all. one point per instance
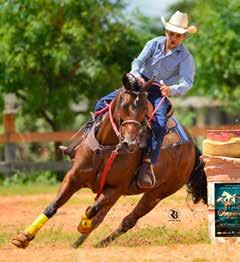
(124, 106)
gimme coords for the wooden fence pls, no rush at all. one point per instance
(10, 138)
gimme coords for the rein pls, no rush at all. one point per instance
(105, 171)
(117, 131)
(156, 108)
(118, 146)
(114, 126)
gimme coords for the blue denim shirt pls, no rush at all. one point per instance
(176, 68)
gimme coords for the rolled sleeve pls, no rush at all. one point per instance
(186, 77)
(139, 61)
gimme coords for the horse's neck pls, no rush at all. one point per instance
(106, 134)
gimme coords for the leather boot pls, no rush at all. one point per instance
(70, 150)
(146, 177)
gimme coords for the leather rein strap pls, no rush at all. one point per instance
(114, 126)
(114, 152)
(118, 134)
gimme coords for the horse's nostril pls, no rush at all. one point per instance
(125, 144)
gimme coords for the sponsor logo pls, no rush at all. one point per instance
(173, 215)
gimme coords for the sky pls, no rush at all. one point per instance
(151, 7)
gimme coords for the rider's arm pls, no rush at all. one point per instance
(186, 77)
(138, 62)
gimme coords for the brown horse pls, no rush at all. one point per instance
(129, 114)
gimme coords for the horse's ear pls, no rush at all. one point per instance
(125, 81)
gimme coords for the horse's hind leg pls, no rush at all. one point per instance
(148, 201)
(96, 213)
(71, 183)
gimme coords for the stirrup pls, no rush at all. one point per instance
(153, 175)
(70, 150)
(144, 175)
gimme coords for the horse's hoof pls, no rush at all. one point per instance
(21, 240)
(79, 241)
(85, 226)
(102, 244)
(75, 245)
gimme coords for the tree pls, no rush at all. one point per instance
(53, 53)
(216, 48)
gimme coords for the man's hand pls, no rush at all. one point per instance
(166, 91)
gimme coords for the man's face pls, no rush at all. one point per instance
(174, 39)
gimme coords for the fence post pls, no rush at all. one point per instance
(9, 115)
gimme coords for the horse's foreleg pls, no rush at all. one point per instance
(69, 186)
(148, 201)
(96, 213)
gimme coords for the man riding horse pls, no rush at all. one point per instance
(168, 63)
(120, 130)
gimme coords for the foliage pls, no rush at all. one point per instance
(53, 53)
(185, 6)
(216, 48)
(148, 27)
(47, 178)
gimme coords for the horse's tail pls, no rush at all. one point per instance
(197, 183)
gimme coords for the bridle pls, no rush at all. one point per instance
(117, 129)
(120, 124)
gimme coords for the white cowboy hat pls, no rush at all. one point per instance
(178, 23)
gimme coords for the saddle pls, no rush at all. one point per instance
(99, 151)
(174, 135)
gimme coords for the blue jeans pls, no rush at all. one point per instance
(108, 98)
(159, 124)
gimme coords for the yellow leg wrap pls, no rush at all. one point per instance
(36, 225)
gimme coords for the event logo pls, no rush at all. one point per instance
(227, 209)
(174, 215)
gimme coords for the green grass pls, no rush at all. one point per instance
(52, 236)
(4, 238)
(148, 236)
(162, 236)
(56, 235)
(27, 189)
(28, 184)
(6, 233)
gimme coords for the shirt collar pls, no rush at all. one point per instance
(177, 49)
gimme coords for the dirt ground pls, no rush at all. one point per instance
(16, 212)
